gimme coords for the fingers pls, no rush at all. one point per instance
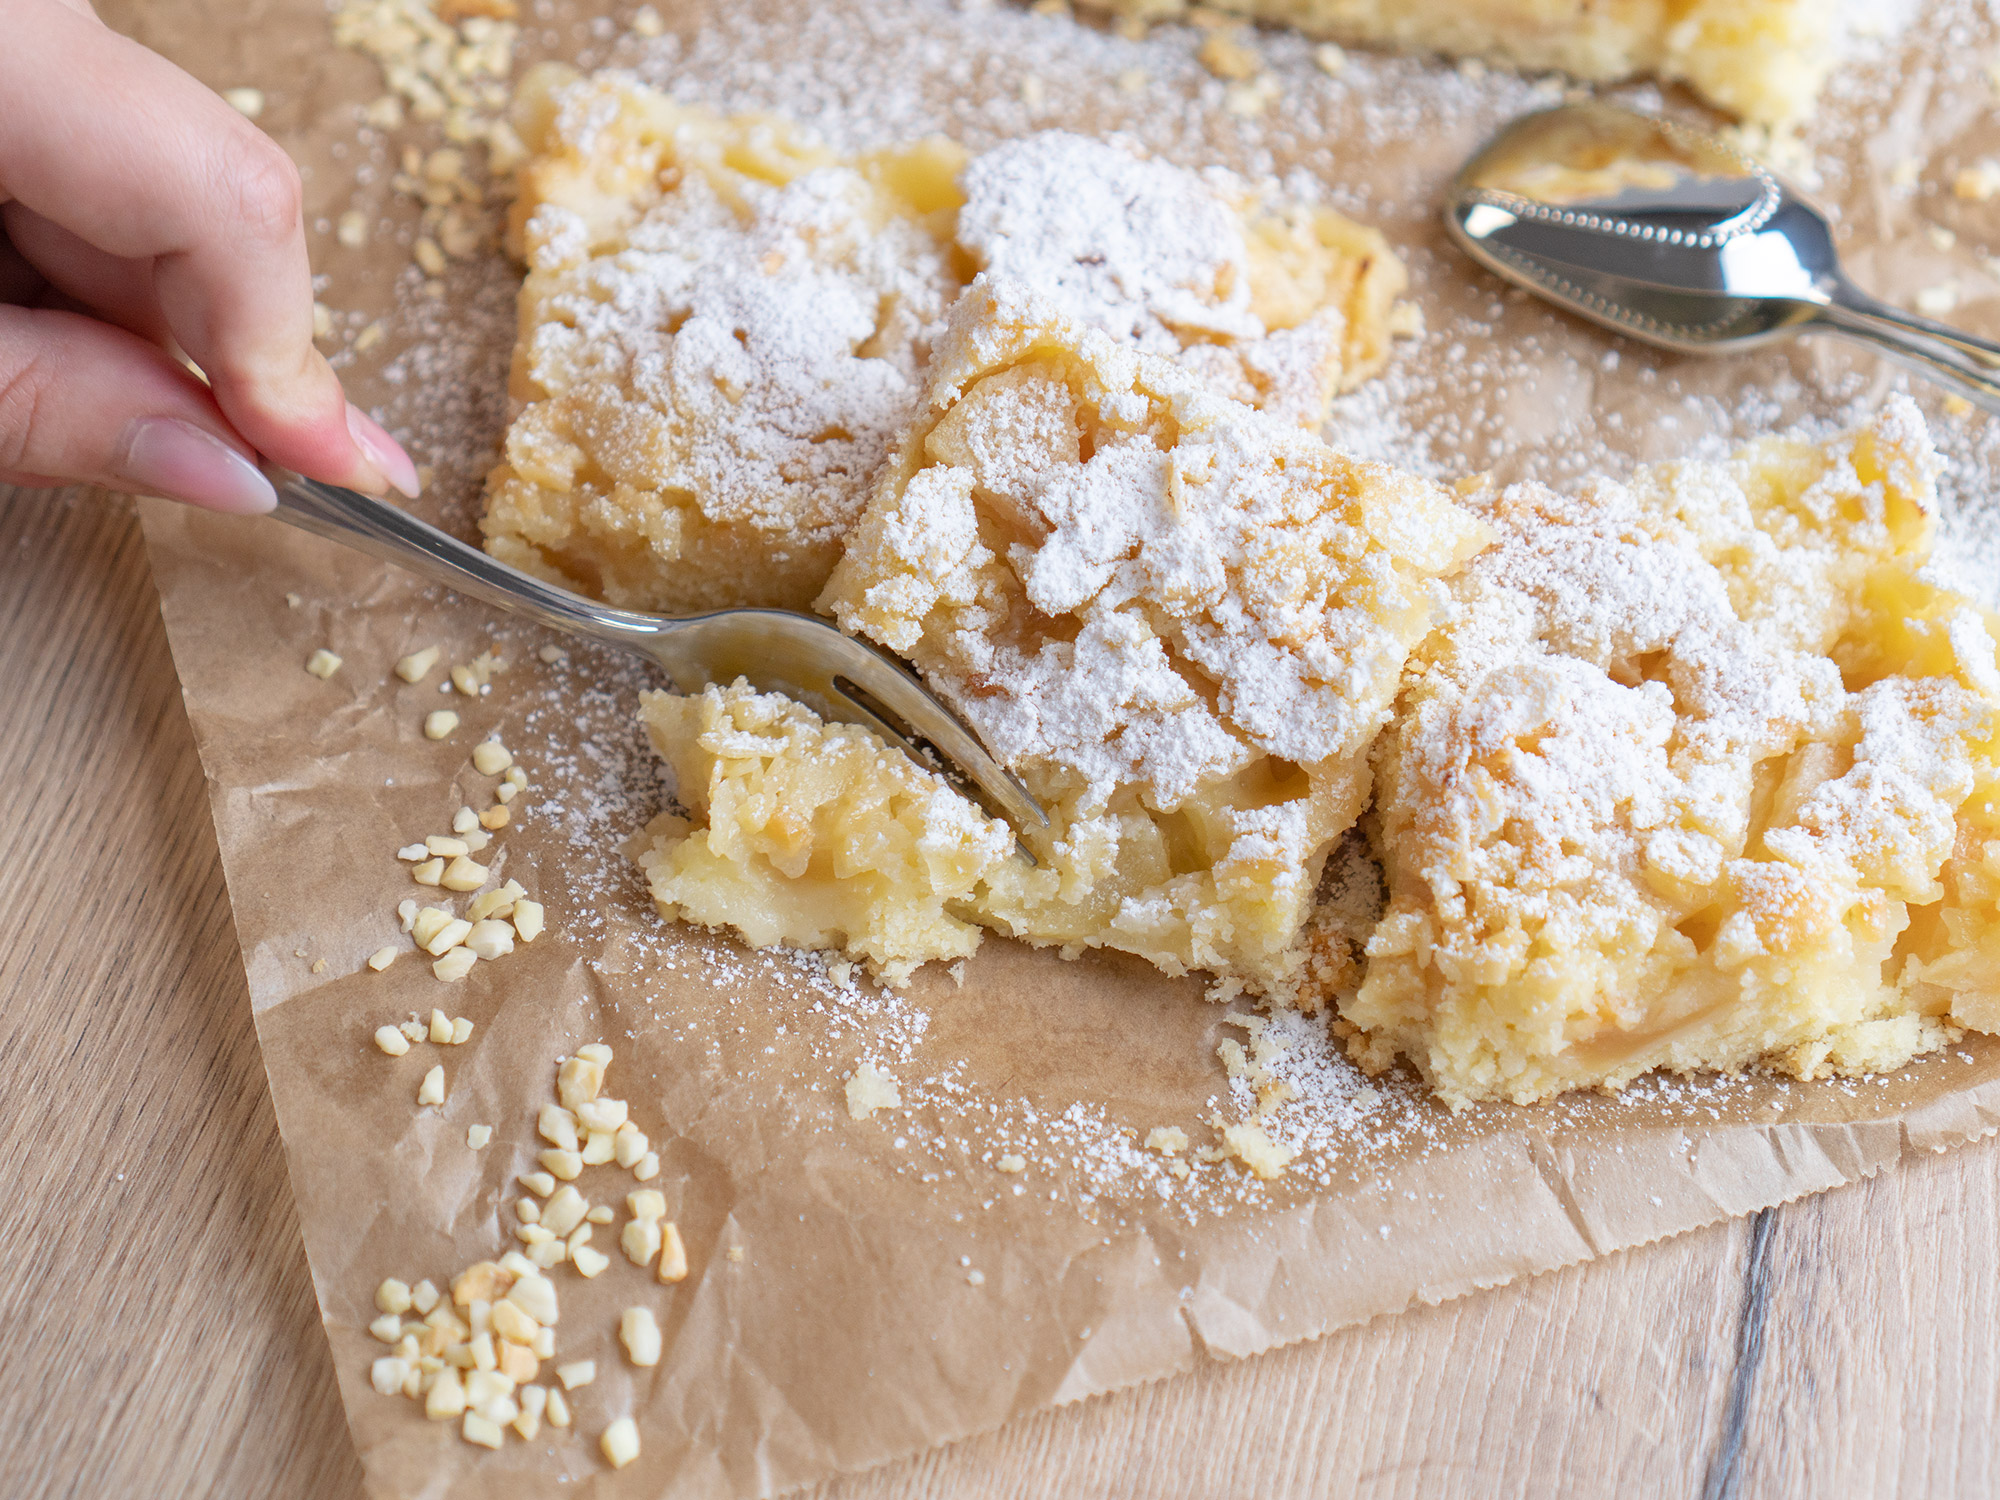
(114, 145)
(116, 290)
(81, 400)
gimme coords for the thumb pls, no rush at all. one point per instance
(83, 402)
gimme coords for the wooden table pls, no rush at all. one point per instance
(160, 1337)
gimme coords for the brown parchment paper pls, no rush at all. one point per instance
(831, 1319)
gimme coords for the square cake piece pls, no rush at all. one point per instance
(1700, 772)
(1180, 620)
(1763, 60)
(723, 326)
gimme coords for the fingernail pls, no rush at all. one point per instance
(166, 456)
(383, 451)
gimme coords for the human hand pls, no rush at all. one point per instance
(141, 216)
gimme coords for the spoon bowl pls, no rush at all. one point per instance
(1672, 235)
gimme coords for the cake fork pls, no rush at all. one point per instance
(777, 650)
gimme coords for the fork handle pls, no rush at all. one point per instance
(394, 535)
(1967, 363)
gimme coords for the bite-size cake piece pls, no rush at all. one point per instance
(1764, 60)
(812, 835)
(1699, 773)
(724, 325)
(1180, 620)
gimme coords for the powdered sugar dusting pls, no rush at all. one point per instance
(1496, 382)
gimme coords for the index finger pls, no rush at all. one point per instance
(126, 151)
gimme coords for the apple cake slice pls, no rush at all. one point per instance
(1699, 772)
(1180, 620)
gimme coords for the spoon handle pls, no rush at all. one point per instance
(1968, 364)
(382, 530)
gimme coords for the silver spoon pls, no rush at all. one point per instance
(778, 650)
(1673, 236)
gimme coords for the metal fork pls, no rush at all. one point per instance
(777, 650)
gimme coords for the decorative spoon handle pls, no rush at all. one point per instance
(1963, 361)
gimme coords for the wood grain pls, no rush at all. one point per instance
(161, 1338)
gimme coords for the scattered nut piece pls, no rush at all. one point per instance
(446, 1397)
(535, 1296)
(477, 1429)
(640, 1240)
(1979, 183)
(490, 939)
(527, 919)
(490, 758)
(423, 1297)
(1012, 1163)
(322, 664)
(431, 1090)
(455, 965)
(505, 792)
(391, 1040)
(448, 936)
(602, 1114)
(464, 821)
(478, 1137)
(647, 23)
(736, 1254)
(565, 1210)
(407, 910)
(598, 1148)
(558, 1409)
(427, 924)
(440, 1022)
(567, 1165)
(621, 1443)
(417, 665)
(476, 838)
(322, 329)
(430, 872)
(1331, 59)
(351, 229)
(450, 848)
(870, 1089)
(1226, 56)
(639, 1332)
(370, 336)
(496, 902)
(494, 818)
(630, 1144)
(647, 1205)
(600, 1214)
(557, 1126)
(541, 1184)
(392, 1296)
(577, 1373)
(554, 654)
(673, 1254)
(463, 874)
(379, 960)
(588, 1262)
(648, 1168)
(579, 1079)
(388, 1328)
(387, 1374)
(439, 723)
(248, 103)
(461, 1029)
